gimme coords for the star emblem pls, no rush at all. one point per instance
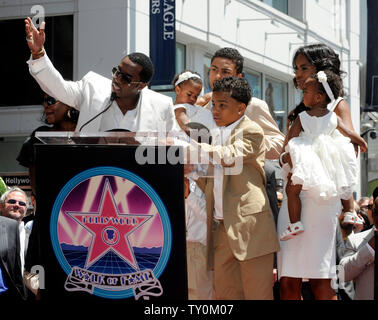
(110, 229)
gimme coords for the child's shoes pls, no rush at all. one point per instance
(292, 230)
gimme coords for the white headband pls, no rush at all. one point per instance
(322, 77)
(186, 76)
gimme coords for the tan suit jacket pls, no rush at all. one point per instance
(247, 216)
(258, 111)
(358, 264)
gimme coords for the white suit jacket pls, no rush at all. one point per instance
(91, 95)
(358, 264)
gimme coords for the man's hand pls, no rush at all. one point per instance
(203, 100)
(35, 38)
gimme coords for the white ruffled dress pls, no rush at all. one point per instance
(324, 161)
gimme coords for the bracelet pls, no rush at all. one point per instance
(281, 158)
(40, 53)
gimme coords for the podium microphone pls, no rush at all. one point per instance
(113, 96)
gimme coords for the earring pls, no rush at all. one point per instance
(69, 114)
(239, 113)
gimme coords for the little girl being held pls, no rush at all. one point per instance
(188, 86)
(323, 160)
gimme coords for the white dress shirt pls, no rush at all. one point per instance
(114, 118)
(21, 228)
(24, 230)
(221, 138)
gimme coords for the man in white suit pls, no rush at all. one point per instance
(124, 102)
(358, 261)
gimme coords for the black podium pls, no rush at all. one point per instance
(110, 219)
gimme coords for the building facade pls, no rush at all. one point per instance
(95, 35)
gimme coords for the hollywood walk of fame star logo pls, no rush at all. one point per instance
(110, 229)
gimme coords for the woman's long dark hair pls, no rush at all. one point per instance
(322, 57)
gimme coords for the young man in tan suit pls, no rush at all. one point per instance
(241, 235)
(228, 62)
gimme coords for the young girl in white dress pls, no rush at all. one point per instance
(323, 160)
(188, 86)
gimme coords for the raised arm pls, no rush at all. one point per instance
(35, 38)
(43, 71)
(354, 137)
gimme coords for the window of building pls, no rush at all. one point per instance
(9, 149)
(20, 88)
(276, 98)
(180, 57)
(296, 10)
(281, 5)
(293, 8)
(206, 70)
(254, 80)
(298, 96)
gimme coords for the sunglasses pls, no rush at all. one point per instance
(49, 101)
(125, 78)
(20, 203)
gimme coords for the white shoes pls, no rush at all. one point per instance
(352, 218)
(292, 230)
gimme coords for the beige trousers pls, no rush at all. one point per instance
(200, 280)
(251, 279)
